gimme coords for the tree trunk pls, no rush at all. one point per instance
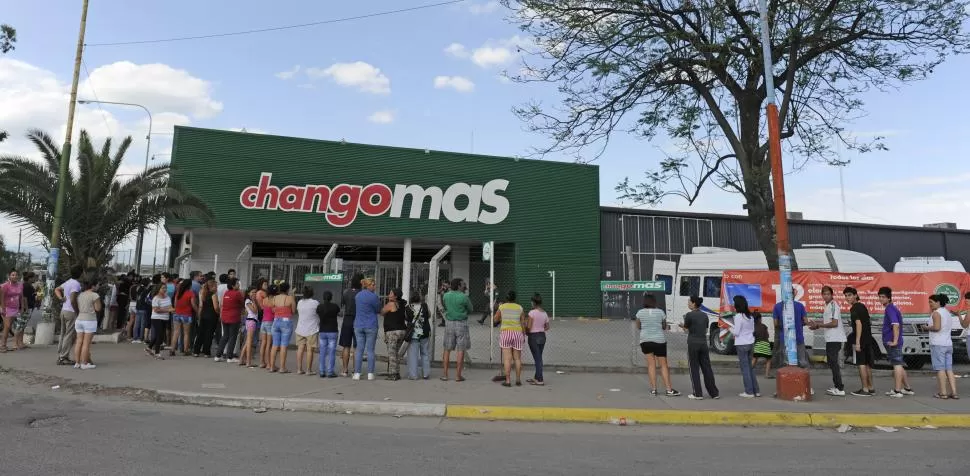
(761, 212)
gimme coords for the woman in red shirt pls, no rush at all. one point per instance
(186, 308)
(231, 316)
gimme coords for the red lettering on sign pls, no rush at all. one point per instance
(344, 203)
(382, 194)
(248, 197)
(267, 196)
(318, 193)
(291, 198)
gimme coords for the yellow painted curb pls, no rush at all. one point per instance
(683, 417)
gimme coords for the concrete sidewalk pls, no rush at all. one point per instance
(566, 397)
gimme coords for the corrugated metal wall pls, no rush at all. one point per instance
(884, 243)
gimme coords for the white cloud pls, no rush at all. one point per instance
(35, 98)
(483, 8)
(493, 53)
(360, 75)
(382, 117)
(158, 87)
(458, 83)
(288, 74)
(457, 50)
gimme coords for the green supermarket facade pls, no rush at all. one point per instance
(284, 207)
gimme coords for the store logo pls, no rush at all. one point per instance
(950, 291)
(342, 203)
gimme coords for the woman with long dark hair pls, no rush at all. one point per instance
(208, 319)
(284, 306)
(743, 330)
(537, 325)
(419, 356)
(395, 325)
(161, 307)
(186, 308)
(263, 298)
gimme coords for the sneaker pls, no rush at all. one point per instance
(745, 395)
(77, 365)
(653, 392)
(908, 391)
(371, 377)
(716, 397)
(862, 393)
(88, 366)
(137, 341)
(65, 362)
(218, 359)
(835, 392)
(232, 361)
(673, 393)
(356, 377)
(757, 395)
(694, 397)
(872, 393)
(894, 394)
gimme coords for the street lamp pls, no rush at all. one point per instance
(141, 226)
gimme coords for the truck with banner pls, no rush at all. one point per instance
(911, 293)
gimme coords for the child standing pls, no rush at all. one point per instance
(762, 345)
(252, 316)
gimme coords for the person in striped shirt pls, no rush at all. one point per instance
(512, 338)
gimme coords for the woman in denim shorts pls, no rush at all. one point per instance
(941, 346)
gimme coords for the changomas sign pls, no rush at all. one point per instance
(342, 203)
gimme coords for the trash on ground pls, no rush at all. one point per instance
(349, 412)
(398, 416)
(622, 421)
(387, 399)
(56, 387)
(887, 429)
(259, 410)
(483, 411)
(843, 428)
(614, 390)
(929, 427)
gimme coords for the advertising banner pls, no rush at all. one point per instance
(911, 291)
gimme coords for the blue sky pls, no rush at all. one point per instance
(321, 82)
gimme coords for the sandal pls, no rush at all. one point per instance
(301, 372)
(941, 396)
(460, 379)
(285, 371)
(518, 383)
(443, 379)
(954, 396)
(4, 350)
(506, 384)
(530, 381)
(538, 384)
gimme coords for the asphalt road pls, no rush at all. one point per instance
(46, 432)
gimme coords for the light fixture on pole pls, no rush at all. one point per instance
(793, 383)
(139, 242)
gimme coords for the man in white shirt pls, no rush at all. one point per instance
(831, 324)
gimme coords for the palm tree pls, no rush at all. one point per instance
(100, 211)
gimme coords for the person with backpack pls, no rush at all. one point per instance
(418, 333)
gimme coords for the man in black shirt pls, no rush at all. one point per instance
(348, 341)
(863, 353)
(698, 355)
(328, 312)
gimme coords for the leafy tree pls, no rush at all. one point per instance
(692, 71)
(101, 208)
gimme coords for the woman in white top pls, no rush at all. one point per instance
(88, 304)
(743, 330)
(941, 346)
(307, 331)
(652, 324)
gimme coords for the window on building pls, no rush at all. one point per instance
(690, 285)
(712, 286)
(668, 282)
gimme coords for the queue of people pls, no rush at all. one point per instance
(192, 314)
(751, 343)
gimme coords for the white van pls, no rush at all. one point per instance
(929, 264)
(700, 274)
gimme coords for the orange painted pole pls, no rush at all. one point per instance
(778, 178)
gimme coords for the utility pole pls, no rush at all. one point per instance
(55, 238)
(792, 382)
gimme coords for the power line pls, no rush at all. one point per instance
(279, 28)
(104, 115)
